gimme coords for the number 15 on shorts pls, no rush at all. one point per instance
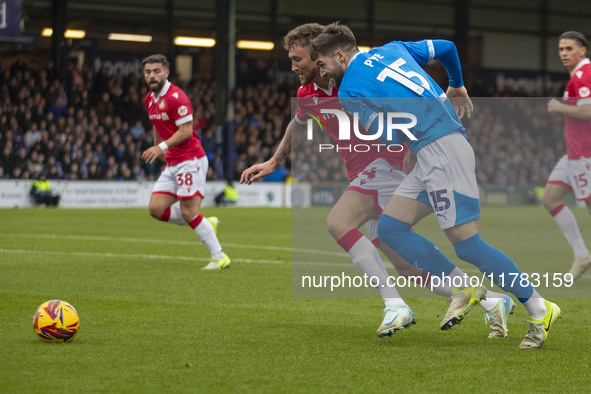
(439, 201)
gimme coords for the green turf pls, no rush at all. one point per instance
(152, 322)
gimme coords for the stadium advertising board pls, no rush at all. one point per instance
(10, 19)
(105, 194)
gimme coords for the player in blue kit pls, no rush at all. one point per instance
(387, 86)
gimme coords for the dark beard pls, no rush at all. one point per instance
(158, 88)
(337, 77)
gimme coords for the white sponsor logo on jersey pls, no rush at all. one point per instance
(175, 95)
(584, 91)
(183, 110)
(579, 74)
(161, 116)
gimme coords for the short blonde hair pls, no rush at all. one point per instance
(302, 35)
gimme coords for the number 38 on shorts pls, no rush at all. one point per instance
(184, 180)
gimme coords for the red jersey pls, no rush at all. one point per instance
(577, 132)
(355, 162)
(167, 112)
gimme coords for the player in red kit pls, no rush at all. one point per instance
(176, 139)
(373, 177)
(572, 173)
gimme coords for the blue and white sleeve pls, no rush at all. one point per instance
(446, 52)
(443, 50)
(421, 51)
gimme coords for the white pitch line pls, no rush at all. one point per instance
(132, 256)
(189, 258)
(176, 242)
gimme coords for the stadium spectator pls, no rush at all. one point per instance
(42, 193)
(137, 130)
(279, 173)
(217, 168)
(208, 142)
(21, 160)
(101, 82)
(32, 135)
(105, 106)
(59, 106)
(6, 160)
(35, 164)
(54, 172)
(228, 196)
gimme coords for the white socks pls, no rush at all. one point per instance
(206, 234)
(366, 258)
(174, 216)
(568, 224)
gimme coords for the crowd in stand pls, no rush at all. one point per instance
(87, 127)
(515, 140)
(93, 126)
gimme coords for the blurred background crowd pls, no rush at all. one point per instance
(93, 126)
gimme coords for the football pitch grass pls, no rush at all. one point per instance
(153, 322)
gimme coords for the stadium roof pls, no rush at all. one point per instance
(270, 19)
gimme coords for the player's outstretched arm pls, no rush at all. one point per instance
(258, 171)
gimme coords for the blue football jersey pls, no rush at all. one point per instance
(387, 86)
